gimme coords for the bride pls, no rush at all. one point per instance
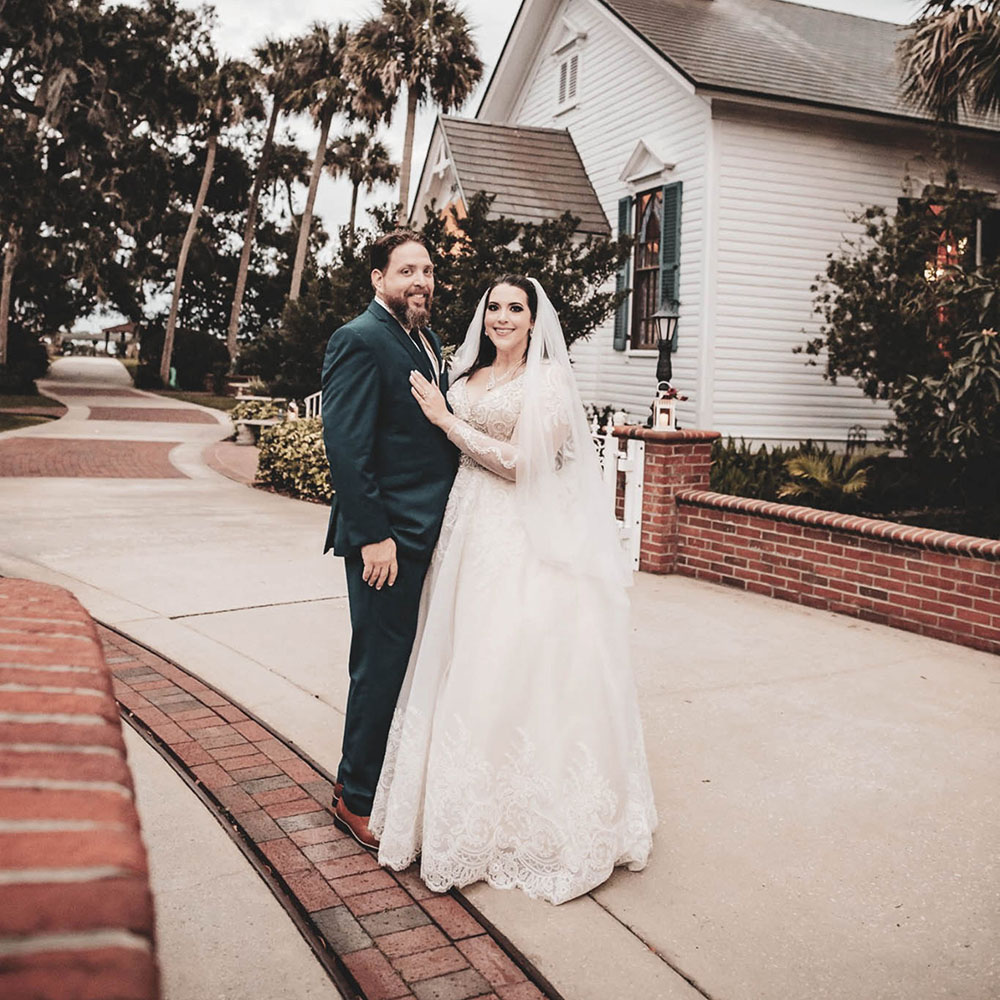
(516, 754)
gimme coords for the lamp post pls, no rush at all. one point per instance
(665, 401)
(665, 319)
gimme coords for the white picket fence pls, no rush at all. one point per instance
(313, 406)
(627, 457)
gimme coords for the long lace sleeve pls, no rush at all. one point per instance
(504, 457)
(500, 457)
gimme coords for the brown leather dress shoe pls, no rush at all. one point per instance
(355, 826)
(338, 790)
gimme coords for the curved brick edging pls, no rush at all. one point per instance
(382, 935)
(76, 915)
(935, 583)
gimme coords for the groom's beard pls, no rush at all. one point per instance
(410, 316)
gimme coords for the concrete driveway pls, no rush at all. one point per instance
(828, 789)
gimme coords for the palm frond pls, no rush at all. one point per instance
(951, 59)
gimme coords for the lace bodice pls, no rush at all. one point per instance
(495, 413)
(487, 425)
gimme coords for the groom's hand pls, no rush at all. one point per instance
(380, 563)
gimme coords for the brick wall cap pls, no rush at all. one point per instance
(69, 815)
(889, 531)
(667, 437)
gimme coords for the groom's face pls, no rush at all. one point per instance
(406, 285)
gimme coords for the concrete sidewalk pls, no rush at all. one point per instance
(827, 788)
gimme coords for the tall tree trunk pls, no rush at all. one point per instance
(354, 210)
(168, 339)
(306, 224)
(10, 256)
(248, 234)
(405, 166)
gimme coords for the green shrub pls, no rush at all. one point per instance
(257, 409)
(806, 473)
(740, 471)
(292, 459)
(955, 416)
(828, 480)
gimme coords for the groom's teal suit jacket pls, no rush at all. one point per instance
(391, 468)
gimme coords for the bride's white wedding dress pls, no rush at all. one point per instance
(516, 754)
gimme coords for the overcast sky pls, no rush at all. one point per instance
(242, 24)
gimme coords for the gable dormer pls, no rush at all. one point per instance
(569, 35)
(644, 166)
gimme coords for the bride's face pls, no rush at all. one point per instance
(508, 320)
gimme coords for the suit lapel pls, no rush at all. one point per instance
(392, 324)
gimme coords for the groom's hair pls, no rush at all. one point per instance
(381, 249)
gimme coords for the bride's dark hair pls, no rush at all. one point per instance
(487, 351)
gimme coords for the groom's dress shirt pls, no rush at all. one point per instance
(419, 340)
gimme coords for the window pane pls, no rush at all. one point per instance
(648, 212)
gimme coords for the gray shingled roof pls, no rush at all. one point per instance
(535, 173)
(778, 49)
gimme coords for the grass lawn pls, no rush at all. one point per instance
(12, 421)
(8, 401)
(201, 398)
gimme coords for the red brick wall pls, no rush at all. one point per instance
(932, 582)
(675, 460)
(76, 916)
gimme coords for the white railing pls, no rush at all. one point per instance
(313, 404)
(629, 460)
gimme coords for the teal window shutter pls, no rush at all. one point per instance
(621, 282)
(670, 246)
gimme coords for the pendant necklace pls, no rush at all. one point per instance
(495, 380)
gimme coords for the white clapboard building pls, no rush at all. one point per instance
(735, 138)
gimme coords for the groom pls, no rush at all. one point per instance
(391, 471)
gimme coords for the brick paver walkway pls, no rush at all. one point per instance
(383, 932)
(56, 390)
(165, 415)
(83, 458)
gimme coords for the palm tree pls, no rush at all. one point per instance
(425, 46)
(322, 91)
(274, 68)
(225, 94)
(951, 58)
(366, 162)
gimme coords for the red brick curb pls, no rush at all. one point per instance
(381, 935)
(76, 916)
(237, 462)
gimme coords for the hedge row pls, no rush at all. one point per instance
(292, 459)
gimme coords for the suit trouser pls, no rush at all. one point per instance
(383, 625)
